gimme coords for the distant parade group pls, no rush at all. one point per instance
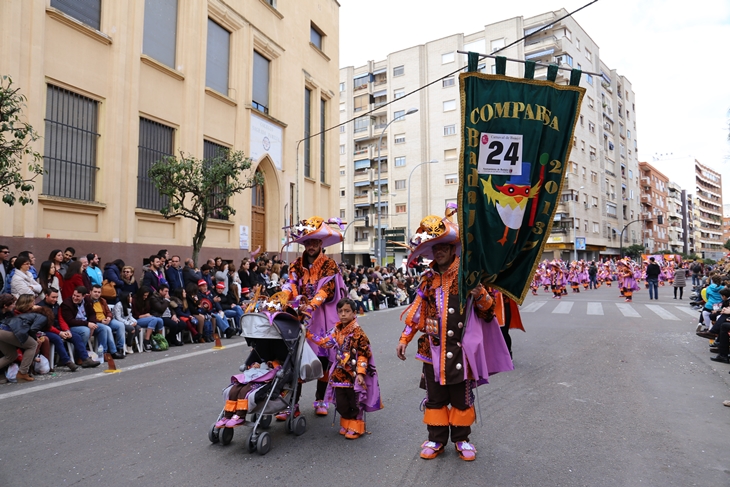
(557, 276)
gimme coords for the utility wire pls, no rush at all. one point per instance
(452, 73)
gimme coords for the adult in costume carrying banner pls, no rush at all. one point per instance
(517, 135)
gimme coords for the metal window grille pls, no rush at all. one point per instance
(86, 11)
(155, 143)
(212, 150)
(307, 131)
(70, 145)
(322, 128)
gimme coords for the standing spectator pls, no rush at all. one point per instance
(73, 279)
(4, 266)
(652, 278)
(680, 281)
(153, 277)
(592, 273)
(129, 283)
(247, 280)
(174, 274)
(190, 274)
(221, 274)
(20, 332)
(234, 283)
(113, 274)
(93, 270)
(23, 281)
(696, 269)
(68, 257)
(48, 278)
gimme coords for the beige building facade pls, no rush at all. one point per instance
(600, 194)
(113, 86)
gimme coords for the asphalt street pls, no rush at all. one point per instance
(603, 394)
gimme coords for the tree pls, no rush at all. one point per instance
(16, 138)
(727, 244)
(200, 189)
(634, 251)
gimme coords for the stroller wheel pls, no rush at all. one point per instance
(265, 421)
(251, 442)
(263, 445)
(226, 436)
(299, 425)
(213, 434)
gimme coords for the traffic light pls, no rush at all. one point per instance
(367, 220)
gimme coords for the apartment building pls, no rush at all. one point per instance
(418, 157)
(676, 218)
(112, 86)
(704, 203)
(654, 208)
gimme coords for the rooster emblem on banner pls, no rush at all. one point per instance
(511, 199)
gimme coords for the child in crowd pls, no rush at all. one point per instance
(353, 380)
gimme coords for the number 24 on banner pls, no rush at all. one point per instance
(500, 154)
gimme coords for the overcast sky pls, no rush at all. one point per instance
(675, 53)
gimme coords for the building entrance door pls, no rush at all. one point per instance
(258, 217)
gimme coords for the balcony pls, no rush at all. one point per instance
(646, 182)
(647, 199)
(542, 47)
(647, 216)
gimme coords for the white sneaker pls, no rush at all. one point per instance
(128, 349)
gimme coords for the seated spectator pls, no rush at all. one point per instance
(57, 332)
(221, 275)
(388, 291)
(4, 266)
(22, 281)
(205, 273)
(141, 310)
(65, 333)
(122, 312)
(179, 304)
(713, 298)
(211, 308)
(228, 304)
(74, 279)
(205, 328)
(48, 277)
(113, 274)
(103, 315)
(129, 284)
(247, 279)
(375, 295)
(20, 331)
(356, 297)
(234, 283)
(56, 256)
(79, 315)
(160, 307)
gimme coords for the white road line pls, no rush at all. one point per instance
(563, 307)
(692, 312)
(661, 312)
(595, 309)
(627, 310)
(532, 307)
(63, 382)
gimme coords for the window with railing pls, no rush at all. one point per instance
(211, 150)
(70, 145)
(155, 143)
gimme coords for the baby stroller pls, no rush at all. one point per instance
(277, 336)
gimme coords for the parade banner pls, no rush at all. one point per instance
(516, 140)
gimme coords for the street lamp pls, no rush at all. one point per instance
(408, 225)
(380, 230)
(621, 237)
(575, 236)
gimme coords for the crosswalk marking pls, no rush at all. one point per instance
(661, 312)
(627, 310)
(563, 307)
(532, 307)
(595, 309)
(692, 312)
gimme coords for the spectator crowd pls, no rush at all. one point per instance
(68, 310)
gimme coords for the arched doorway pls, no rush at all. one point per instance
(258, 216)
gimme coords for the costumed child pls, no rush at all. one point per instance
(236, 408)
(353, 380)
